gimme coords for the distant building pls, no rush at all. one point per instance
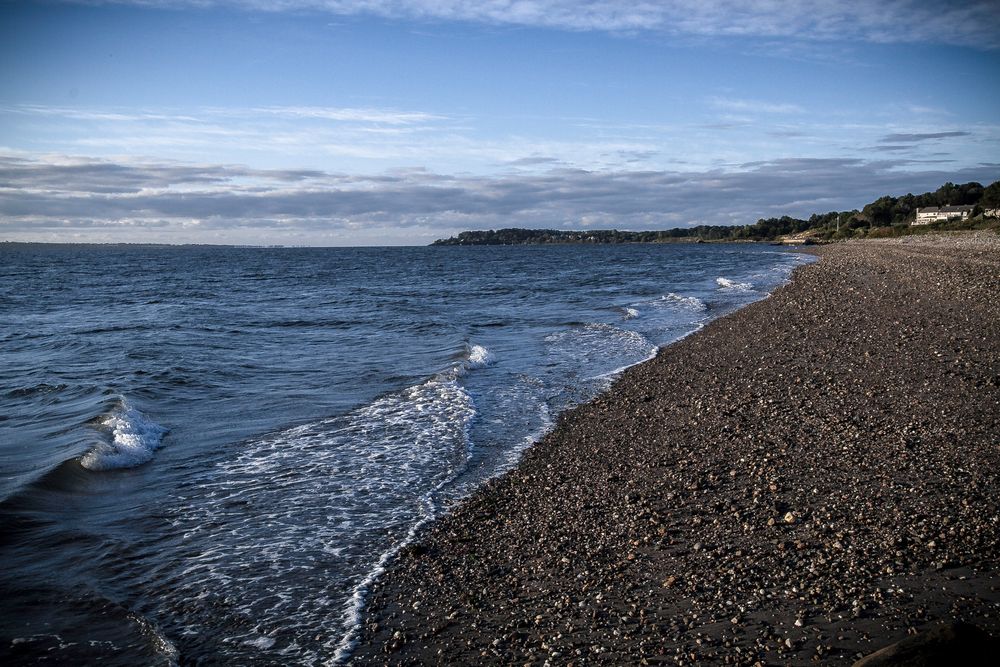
(797, 239)
(992, 213)
(926, 216)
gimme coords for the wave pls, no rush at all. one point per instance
(474, 357)
(596, 341)
(133, 439)
(605, 347)
(689, 302)
(727, 284)
(42, 388)
(351, 491)
(629, 313)
(780, 274)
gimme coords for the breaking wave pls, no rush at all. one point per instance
(726, 283)
(350, 490)
(478, 357)
(689, 302)
(133, 438)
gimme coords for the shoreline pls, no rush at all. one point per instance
(357, 603)
(797, 481)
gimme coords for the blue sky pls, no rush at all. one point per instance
(332, 122)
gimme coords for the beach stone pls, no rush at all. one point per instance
(830, 392)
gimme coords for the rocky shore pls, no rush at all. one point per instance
(804, 481)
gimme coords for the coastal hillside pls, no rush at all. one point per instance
(885, 217)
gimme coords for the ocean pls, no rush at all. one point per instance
(207, 454)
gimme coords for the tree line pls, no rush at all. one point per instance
(886, 216)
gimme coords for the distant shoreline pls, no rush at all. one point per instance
(807, 479)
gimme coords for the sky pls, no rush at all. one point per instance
(397, 122)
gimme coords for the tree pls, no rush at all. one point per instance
(991, 196)
(946, 194)
(879, 212)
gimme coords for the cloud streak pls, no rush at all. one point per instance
(971, 22)
(927, 136)
(754, 106)
(131, 200)
(350, 115)
(340, 115)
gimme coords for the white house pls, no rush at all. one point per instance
(926, 216)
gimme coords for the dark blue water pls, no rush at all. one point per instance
(207, 454)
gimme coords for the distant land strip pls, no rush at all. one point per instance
(883, 218)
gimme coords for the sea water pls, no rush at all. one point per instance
(208, 454)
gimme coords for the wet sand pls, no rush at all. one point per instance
(805, 480)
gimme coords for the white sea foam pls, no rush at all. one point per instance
(159, 641)
(593, 343)
(600, 346)
(343, 494)
(780, 274)
(726, 283)
(689, 302)
(262, 643)
(607, 377)
(630, 313)
(478, 357)
(513, 456)
(461, 412)
(133, 439)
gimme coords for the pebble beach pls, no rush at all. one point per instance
(803, 481)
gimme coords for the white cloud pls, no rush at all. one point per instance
(346, 115)
(754, 106)
(98, 115)
(349, 115)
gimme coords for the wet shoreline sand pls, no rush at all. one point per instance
(806, 480)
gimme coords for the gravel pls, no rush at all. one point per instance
(806, 480)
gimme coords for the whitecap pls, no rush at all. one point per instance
(478, 357)
(133, 439)
(726, 283)
(687, 302)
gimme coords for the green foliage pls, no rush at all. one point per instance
(991, 196)
(880, 211)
